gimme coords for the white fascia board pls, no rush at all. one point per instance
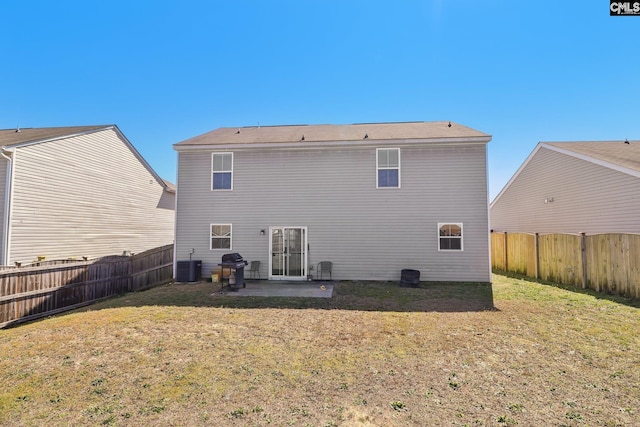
(590, 159)
(141, 159)
(332, 144)
(100, 129)
(515, 175)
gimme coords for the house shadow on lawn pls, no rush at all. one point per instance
(347, 295)
(635, 303)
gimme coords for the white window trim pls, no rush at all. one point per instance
(211, 248)
(379, 168)
(212, 171)
(459, 224)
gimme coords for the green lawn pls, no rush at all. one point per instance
(514, 353)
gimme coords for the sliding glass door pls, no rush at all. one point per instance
(288, 248)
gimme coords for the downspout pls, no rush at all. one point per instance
(8, 198)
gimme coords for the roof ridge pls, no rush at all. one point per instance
(57, 127)
(336, 124)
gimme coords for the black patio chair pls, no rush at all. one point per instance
(254, 269)
(323, 268)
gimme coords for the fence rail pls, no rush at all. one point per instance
(607, 263)
(35, 291)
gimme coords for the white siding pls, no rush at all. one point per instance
(586, 198)
(367, 233)
(87, 195)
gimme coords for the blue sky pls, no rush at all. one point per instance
(165, 71)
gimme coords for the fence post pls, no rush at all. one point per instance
(130, 273)
(85, 275)
(506, 262)
(583, 250)
(536, 249)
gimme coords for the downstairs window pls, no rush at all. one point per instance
(220, 236)
(450, 236)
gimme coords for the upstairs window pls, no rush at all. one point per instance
(220, 236)
(388, 168)
(222, 171)
(450, 237)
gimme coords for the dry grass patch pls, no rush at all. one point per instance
(374, 355)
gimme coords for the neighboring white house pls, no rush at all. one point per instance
(573, 187)
(371, 198)
(79, 191)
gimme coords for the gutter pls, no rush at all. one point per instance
(300, 145)
(8, 199)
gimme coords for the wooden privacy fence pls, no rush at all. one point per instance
(608, 263)
(35, 291)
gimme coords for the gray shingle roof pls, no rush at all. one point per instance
(614, 152)
(21, 136)
(321, 133)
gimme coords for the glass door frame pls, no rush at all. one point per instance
(286, 256)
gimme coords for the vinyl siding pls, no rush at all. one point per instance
(85, 196)
(367, 233)
(587, 198)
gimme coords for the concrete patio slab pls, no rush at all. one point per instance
(266, 288)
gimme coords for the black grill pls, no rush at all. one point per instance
(232, 258)
(234, 261)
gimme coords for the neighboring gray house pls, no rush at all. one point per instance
(79, 191)
(573, 187)
(371, 198)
